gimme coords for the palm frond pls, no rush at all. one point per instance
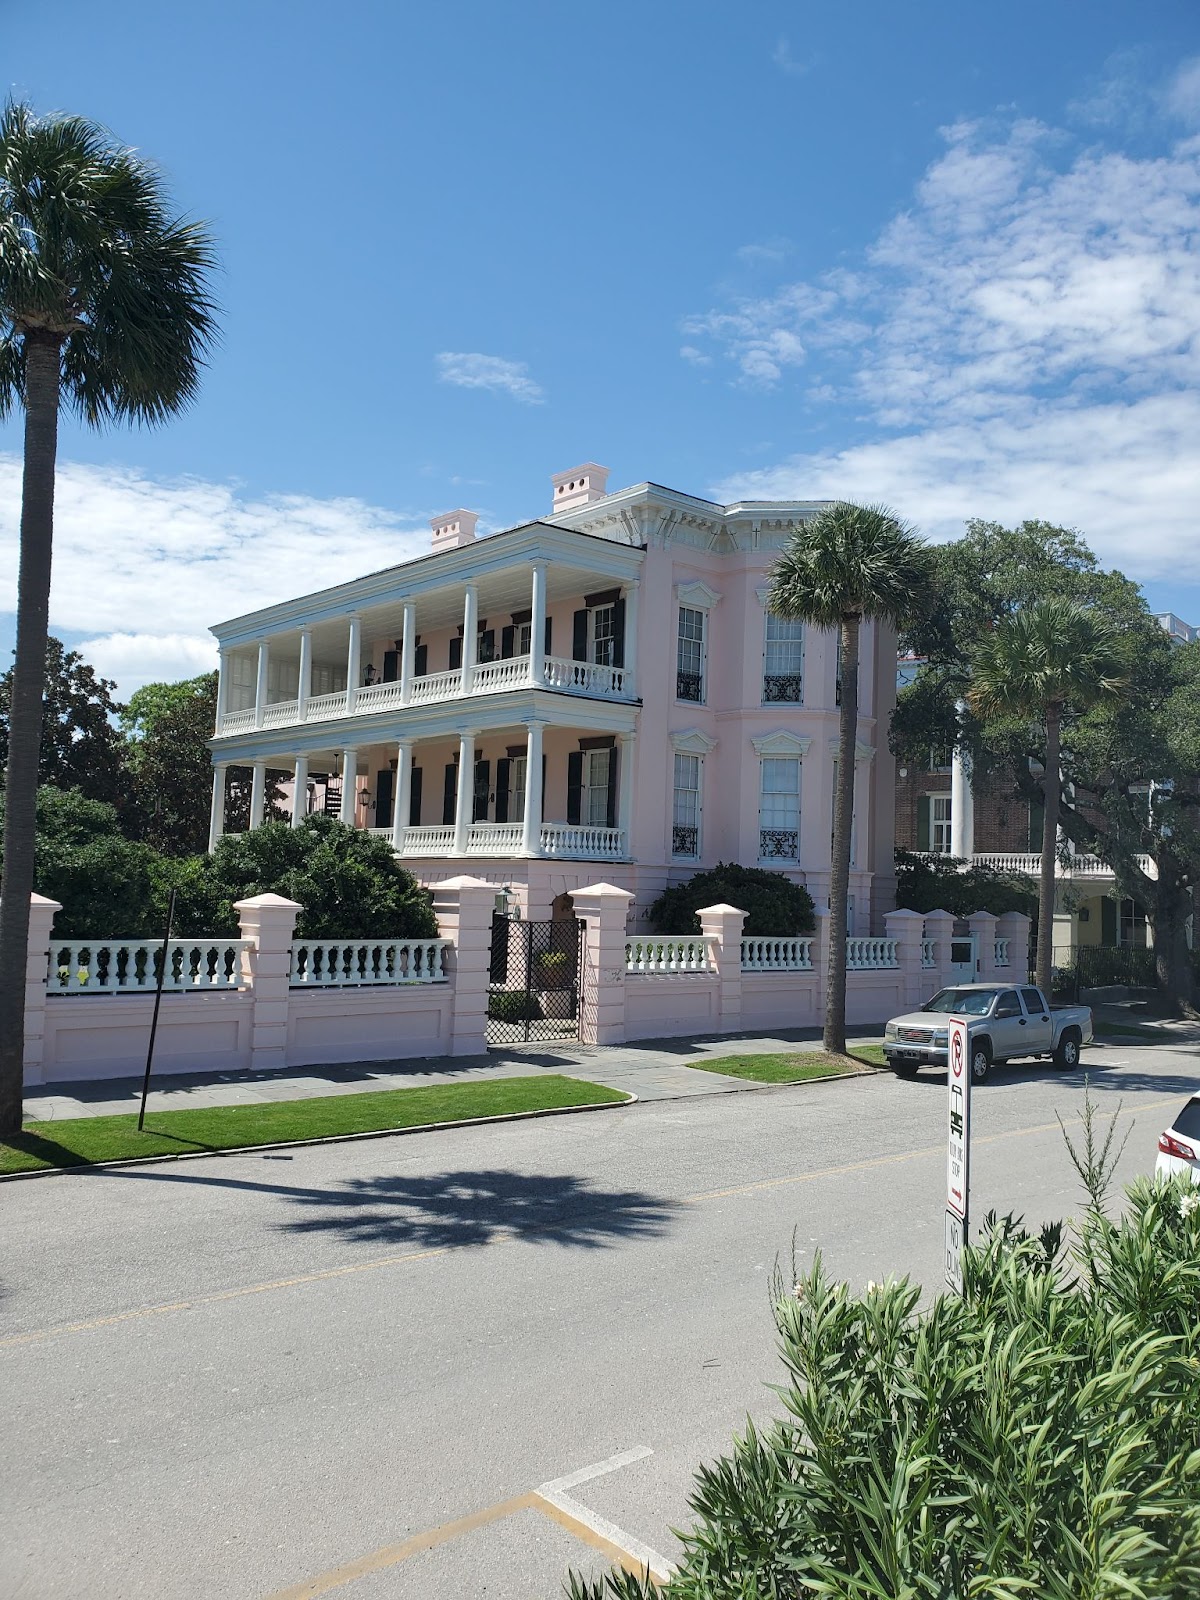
(850, 561)
(1052, 653)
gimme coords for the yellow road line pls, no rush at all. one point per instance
(639, 1565)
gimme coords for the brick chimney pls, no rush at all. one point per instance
(453, 528)
(579, 487)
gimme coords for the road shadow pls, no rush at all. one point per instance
(1103, 1079)
(450, 1210)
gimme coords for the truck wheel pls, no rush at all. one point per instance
(1066, 1052)
(904, 1069)
(981, 1060)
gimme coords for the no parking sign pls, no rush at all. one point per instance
(958, 1147)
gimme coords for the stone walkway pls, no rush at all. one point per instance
(655, 1070)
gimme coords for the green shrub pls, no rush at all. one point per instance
(1039, 1436)
(943, 883)
(774, 905)
(514, 1005)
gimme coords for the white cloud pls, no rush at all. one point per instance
(786, 62)
(471, 370)
(143, 567)
(1182, 95)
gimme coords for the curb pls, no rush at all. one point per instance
(867, 1071)
(304, 1144)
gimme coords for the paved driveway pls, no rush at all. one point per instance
(452, 1364)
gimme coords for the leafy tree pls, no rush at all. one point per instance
(1044, 663)
(845, 565)
(104, 304)
(108, 886)
(348, 881)
(80, 746)
(773, 904)
(942, 883)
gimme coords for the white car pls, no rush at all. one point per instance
(1179, 1145)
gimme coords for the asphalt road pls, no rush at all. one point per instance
(261, 1375)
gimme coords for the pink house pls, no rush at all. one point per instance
(599, 694)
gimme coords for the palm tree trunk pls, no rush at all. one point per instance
(42, 376)
(1052, 789)
(843, 823)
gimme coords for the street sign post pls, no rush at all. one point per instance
(958, 1148)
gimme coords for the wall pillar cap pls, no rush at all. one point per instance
(267, 902)
(720, 910)
(903, 911)
(463, 882)
(44, 903)
(607, 891)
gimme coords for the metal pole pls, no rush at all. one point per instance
(162, 978)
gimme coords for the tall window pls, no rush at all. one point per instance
(685, 818)
(602, 628)
(524, 638)
(594, 800)
(779, 809)
(939, 824)
(516, 787)
(783, 660)
(690, 660)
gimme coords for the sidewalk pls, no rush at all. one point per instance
(654, 1070)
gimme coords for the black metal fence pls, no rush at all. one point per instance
(534, 992)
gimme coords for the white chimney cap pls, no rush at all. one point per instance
(453, 528)
(579, 487)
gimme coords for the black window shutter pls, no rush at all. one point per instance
(579, 637)
(450, 794)
(503, 769)
(923, 822)
(421, 661)
(618, 646)
(455, 654)
(487, 646)
(549, 634)
(391, 665)
(414, 801)
(612, 788)
(383, 798)
(483, 782)
(1108, 921)
(508, 638)
(575, 785)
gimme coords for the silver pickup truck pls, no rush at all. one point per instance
(1005, 1024)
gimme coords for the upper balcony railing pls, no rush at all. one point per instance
(489, 677)
(1065, 866)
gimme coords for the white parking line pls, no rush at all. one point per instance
(555, 1495)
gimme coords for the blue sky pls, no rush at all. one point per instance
(942, 254)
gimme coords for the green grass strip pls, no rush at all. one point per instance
(79, 1141)
(791, 1068)
(1131, 1030)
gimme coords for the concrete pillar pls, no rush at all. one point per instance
(269, 921)
(537, 626)
(724, 924)
(403, 793)
(983, 926)
(939, 926)
(962, 799)
(349, 786)
(353, 662)
(42, 913)
(470, 643)
(222, 689)
(531, 832)
(631, 637)
(258, 793)
(304, 687)
(216, 815)
(260, 683)
(604, 911)
(463, 907)
(466, 792)
(625, 745)
(908, 929)
(408, 653)
(1014, 926)
(300, 792)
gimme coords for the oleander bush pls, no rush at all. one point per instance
(775, 906)
(1038, 1437)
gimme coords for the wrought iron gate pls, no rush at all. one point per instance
(533, 995)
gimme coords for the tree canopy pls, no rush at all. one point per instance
(81, 747)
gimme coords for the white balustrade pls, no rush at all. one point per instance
(585, 677)
(673, 956)
(870, 955)
(130, 966)
(428, 842)
(577, 843)
(929, 952)
(776, 955)
(1002, 952)
(281, 713)
(1030, 865)
(358, 963)
(324, 706)
(436, 686)
(377, 697)
(510, 673)
(238, 721)
(494, 839)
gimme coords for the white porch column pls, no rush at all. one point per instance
(631, 637)
(258, 793)
(962, 800)
(531, 831)
(466, 792)
(260, 683)
(353, 662)
(349, 785)
(216, 820)
(470, 642)
(403, 791)
(537, 626)
(625, 743)
(300, 792)
(304, 691)
(408, 654)
(222, 688)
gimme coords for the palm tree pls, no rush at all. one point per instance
(846, 565)
(104, 304)
(1041, 663)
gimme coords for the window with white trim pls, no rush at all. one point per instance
(516, 788)
(783, 661)
(779, 808)
(602, 632)
(685, 815)
(940, 824)
(689, 678)
(593, 808)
